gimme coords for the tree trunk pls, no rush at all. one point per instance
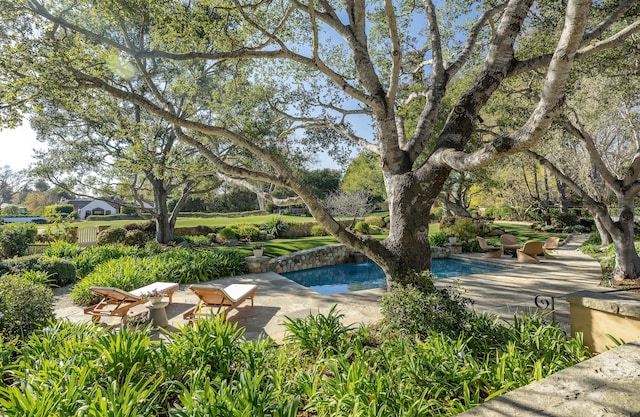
(605, 236)
(627, 259)
(562, 191)
(409, 205)
(164, 226)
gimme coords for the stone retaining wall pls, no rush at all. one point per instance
(316, 258)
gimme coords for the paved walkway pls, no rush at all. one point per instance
(505, 293)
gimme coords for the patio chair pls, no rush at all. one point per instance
(509, 244)
(551, 244)
(117, 303)
(492, 251)
(530, 252)
(229, 297)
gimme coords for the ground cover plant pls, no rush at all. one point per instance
(183, 266)
(324, 369)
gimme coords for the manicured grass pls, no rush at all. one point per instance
(280, 247)
(206, 221)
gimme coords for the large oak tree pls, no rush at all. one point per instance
(324, 66)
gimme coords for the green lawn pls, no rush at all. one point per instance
(206, 221)
(280, 247)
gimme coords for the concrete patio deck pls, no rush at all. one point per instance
(505, 293)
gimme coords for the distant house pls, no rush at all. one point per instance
(95, 207)
(86, 208)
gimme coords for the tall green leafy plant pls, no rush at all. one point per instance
(319, 333)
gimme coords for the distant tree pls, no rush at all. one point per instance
(116, 149)
(364, 174)
(604, 167)
(343, 204)
(12, 183)
(321, 181)
(234, 199)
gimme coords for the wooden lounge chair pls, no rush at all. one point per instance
(117, 303)
(530, 252)
(492, 251)
(551, 244)
(216, 297)
(509, 244)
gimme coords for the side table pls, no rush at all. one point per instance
(158, 314)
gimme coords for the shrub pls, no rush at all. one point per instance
(564, 219)
(135, 238)
(210, 369)
(438, 239)
(148, 227)
(471, 246)
(318, 230)
(112, 236)
(375, 221)
(249, 232)
(465, 229)
(417, 311)
(15, 238)
(276, 226)
(58, 210)
(21, 264)
(446, 224)
(362, 228)
(195, 240)
(25, 307)
(227, 234)
(375, 230)
(62, 271)
(436, 213)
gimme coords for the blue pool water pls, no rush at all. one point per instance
(337, 279)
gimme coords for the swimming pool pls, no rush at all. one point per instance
(337, 279)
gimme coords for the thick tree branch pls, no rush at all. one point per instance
(473, 38)
(548, 107)
(396, 52)
(588, 47)
(608, 177)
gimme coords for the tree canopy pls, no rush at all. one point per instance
(282, 79)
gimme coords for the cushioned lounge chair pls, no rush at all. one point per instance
(117, 303)
(509, 244)
(492, 251)
(551, 244)
(530, 252)
(216, 297)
